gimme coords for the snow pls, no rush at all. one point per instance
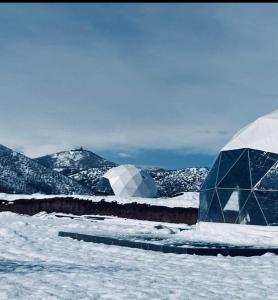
(65, 158)
(261, 135)
(73, 159)
(237, 234)
(37, 264)
(187, 199)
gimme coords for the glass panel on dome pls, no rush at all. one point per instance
(252, 213)
(215, 211)
(260, 163)
(228, 159)
(205, 201)
(273, 156)
(268, 201)
(212, 175)
(238, 175)
(233, 201)
(229, 200)
(270, 180)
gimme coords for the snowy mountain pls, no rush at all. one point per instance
(83, 166)
(170, 182)
(86, 168)
(20, 174)
(89, 177)
(74, 161)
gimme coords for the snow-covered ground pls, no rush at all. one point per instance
(37, 264)
(187, 199)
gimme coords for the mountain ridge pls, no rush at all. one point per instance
(71, 161)
(78, 171)
(21, 174)
(72, 164)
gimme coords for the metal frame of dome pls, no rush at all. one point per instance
(242, 185)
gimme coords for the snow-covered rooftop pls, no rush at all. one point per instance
(262, 134)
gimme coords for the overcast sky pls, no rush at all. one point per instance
(155, 84)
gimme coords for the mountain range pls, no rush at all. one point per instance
(22, 175)
(78, 171)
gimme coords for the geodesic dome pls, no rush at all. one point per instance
(242, 185)
(129, 181)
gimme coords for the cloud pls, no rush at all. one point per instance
(144, 76)
(124, 155)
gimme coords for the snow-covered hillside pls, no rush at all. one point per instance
(86, 168)
(89, 177)
(170, 182)
(74, 161)
(80, 171)
(20, 174)
(35, 263)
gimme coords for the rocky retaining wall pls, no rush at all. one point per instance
(71, 205)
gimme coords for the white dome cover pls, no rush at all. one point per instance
(129, 181)
(262, 134)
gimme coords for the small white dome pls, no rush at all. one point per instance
(129, 181)
(262, 134)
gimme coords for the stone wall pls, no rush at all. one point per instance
(71, 205)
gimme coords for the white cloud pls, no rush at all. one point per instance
(124, 155)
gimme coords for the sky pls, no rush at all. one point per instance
(150, 84)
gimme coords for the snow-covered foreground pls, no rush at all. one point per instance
(187, 199)
(37, 264)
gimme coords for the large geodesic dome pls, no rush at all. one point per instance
(242, 185)
(129, 181)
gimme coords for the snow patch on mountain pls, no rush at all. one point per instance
(73, 161)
